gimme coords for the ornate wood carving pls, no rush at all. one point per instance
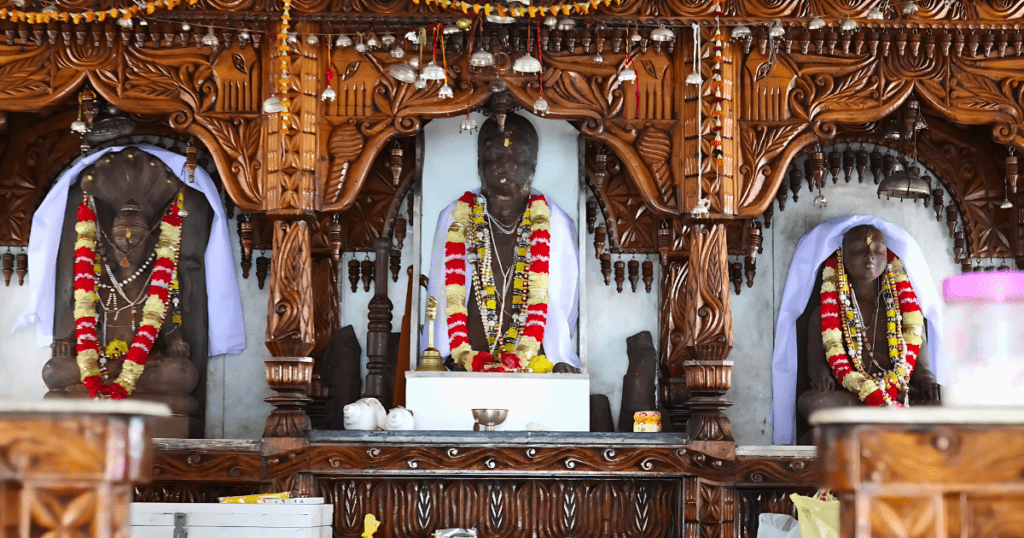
(589, 489)
(633, 227)
(939, 492)
(70, 474)
(34, 153)
(290, 312)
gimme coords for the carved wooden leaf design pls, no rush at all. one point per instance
(158, 81)
(17, 80)
(350, 70)
(345, 146)
(575, 89)
(655, 148)
(238, 61)
(970, 90)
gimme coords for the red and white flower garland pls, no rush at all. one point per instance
(904, 324)
(525, 353)
(87, 268)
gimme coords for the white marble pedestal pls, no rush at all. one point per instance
(445, 400)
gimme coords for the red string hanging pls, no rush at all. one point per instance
(540, 58)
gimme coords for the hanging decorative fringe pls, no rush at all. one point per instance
(717, 89)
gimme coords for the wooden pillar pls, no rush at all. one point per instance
(696, 339)
(69, 469)
(290, 336)
(379, 384)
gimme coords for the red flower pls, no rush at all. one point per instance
(85, 214)
(117, 392)
(94, 383)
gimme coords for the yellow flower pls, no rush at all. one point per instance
(117, 348)
(540, 365)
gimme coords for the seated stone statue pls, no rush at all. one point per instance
(799, 355)
(121, 330)
(866, 336)
(504, 268)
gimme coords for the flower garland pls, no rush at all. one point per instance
(580, 8)
(717, 89)
(87, 268)
(517, 350)
(844, 344)
(123, 13)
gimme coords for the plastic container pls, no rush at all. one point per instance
(984, 337)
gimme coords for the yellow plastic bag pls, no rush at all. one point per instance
(818, 515)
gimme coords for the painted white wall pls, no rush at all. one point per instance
(754, 330)
(21, 362)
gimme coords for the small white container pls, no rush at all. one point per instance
(984, 339)
(212, 520)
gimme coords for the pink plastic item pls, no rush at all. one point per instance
(987, 287)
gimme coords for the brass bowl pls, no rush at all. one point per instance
(490, 418)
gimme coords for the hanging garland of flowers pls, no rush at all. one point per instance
(87, 269)
(844, 343)
(717, 89)
(580, 8)
(123, 13)
(518, 348)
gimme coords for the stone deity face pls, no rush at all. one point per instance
(864, 253)
(507, 159)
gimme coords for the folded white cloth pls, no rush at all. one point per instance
(227, 328)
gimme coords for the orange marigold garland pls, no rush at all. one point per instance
(87, 268)
(717, 88)
(843, 343)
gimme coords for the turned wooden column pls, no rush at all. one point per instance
(379, 384)
(697, 338)
(290, 336)
(70, 468)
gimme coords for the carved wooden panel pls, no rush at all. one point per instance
(290, 331)
(396, 460)
(67, 474)
(632, 226)
(36, 150)
(524, 508)
(937, 492)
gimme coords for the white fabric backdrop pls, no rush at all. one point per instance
(227, 328)
(563, 288)
(813, 249)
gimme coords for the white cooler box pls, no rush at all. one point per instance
(208, 520)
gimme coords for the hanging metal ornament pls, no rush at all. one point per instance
(910, 8)
(468, 125)
(662, 34)
(343, 41)
(875, 14)
(551, 21)
(776, 29)
(403, 72)
(210, 39)
(329, 93)
(312, 40)
(848, 25)
(627, 74)
(742, 33)
(445, 92)
(397, 52)
(540, 107)
(817, 23)
(432, 72)
(481, 58)
(387, 40)
(526, 64)
(272, 105)
(1012, 171)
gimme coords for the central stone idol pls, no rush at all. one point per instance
(504, 268)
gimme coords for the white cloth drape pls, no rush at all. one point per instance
(563, 287)
(227, 328)
(813, 249)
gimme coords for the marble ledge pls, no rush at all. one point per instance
(498, 438)
(918, 416)
(225, 445)
(777, 451)
(84, 407)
